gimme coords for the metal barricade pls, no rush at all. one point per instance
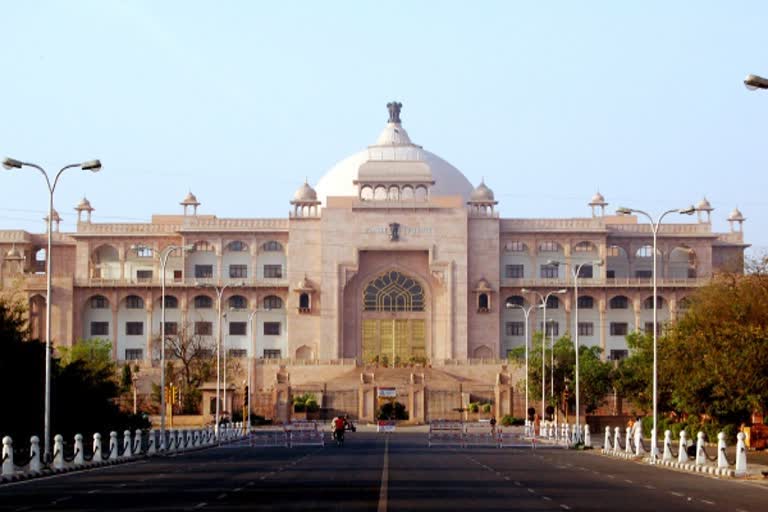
(445, 433)
(480, 434)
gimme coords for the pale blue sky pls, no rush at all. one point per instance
(239, 101)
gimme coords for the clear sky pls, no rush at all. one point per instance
(239, 101)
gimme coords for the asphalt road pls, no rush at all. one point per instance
(379, 472)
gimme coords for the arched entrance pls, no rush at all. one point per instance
(393, 327)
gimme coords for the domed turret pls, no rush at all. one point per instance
(703, 207)
(598, 201)
(55, 219)
(736, 220)
(481, 201)
(84, 206)
(305, 203)
(190, 200)
(13, 254)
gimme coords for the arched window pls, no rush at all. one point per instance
(684, 303)
(515, 300)
(238, 302)
(644, 252)
(272, 246)
(553, 302)
(273, 302)
(586, 302)
(237, 246)
(483, 304)
(304, 301)
(407, 193)
(171, 302)
(40, 255)
(619, 302)
(585, 247)
(142, 251)
(366, 193)
(393, 291)
(134, 302)
(203, 246)
(203, 302)
(99, 302)
(648, 303)
(615, 251)
(549, 246)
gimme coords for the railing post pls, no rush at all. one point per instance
(682, 448)
(151, 447)
(113, 445)
(701, 457)
(639, 440)
(127, 444)
(722, 460)
(97, 447)
(34, 454)
(587, 436)
(616, 439)
(137, 442)
(667, 446)
(190, 443)
(607, 441)
(628, 440)
(741, 455)
(79, 455)
(163, 445)
(171, 441)
(58, 451)
(8, 468)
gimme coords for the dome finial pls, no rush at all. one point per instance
(394, 111)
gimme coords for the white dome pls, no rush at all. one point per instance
(305, 194)
(393, 144)
(482, 193)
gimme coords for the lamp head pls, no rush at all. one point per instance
(553, 263)
(524, 290)
(91, 165)
(188, 247)
(687, 211)
(598, 263)
(623, 211)
(11, 163)
(753, 82)
(562, 290)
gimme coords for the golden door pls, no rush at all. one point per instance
(393, 339)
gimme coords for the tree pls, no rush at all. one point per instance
(716, 355)
(96, 353)
(633, 376)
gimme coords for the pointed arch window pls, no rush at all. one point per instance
(393, 292)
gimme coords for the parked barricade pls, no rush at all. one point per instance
(480, 434)
(304, 433)
(445, 433)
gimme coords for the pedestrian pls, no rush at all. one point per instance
(493, 424)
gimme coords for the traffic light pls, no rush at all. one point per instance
(247, 396)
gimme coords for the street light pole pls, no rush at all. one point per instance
(654, 230)
(93, 166)
(526, 312)
(544, 299)
(576, 272)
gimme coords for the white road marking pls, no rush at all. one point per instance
(93, 491)
(708, 502)
(384, 479)
(628, 481)
(250, 484)
(507, 478)
(65, 498)
(611, 476)
(565, 507)
(200, 505)
(649, 486)
(237, 489)
(531, 491)
(546, 498)
(221, 496)
(120, 486)
(678, 494)
(519, 484)
(22, 509)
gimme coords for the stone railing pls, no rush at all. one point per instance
(633, 447)
(186, 282)
(613, 282)
(469, 362)
(305, 362)
(140, 444)
(523, 225)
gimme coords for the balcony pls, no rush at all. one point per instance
(152, 282)
(603, 282)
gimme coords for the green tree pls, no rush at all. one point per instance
(633, 376)
(95, 353)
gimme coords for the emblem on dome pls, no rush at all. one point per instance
(394, 111)
(394, 232)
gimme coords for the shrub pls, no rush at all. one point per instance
(394, 411)
(474, 407)
(486, 408)
(508, 420)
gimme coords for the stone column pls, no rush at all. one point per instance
(150, 305)
(115, 324)
(637, 304)
(602, 326)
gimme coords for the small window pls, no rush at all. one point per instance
(644, 274)
(237, 246)
(585, 271)
(610, 274)
(586, 302)
(549, 246)
(203, 328)
(514, 329)
(134, 328)
(553, 328)
(99, 328)
(618, 355)
(203, 246)
(237, 353)
(171, 328)
(40, 255)
(237, 328)
(515, 271)
(648, 303)
(134, 302)
(240, 271)
(483, 303)
(272, 246)
(619, 302)
(134, 354)
(273, 302)
(515, 246)
(203, 302)
(553, 302)
(584, 247)
(203, 271)
(549, 271)
(619, 328)
(99, 302)
(515, 300)
(273, 271)
(143, 275)
(615, 251)
(171, 302)
(238, 302)
(586, 329)
(272, 353)
(304, 302)
(645, 251)
(272, 328)
(649, 328)
(144, 252)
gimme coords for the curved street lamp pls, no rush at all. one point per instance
(544, 299)
(655, 230)
(90, 165)
(753, 82)
(526, 312)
